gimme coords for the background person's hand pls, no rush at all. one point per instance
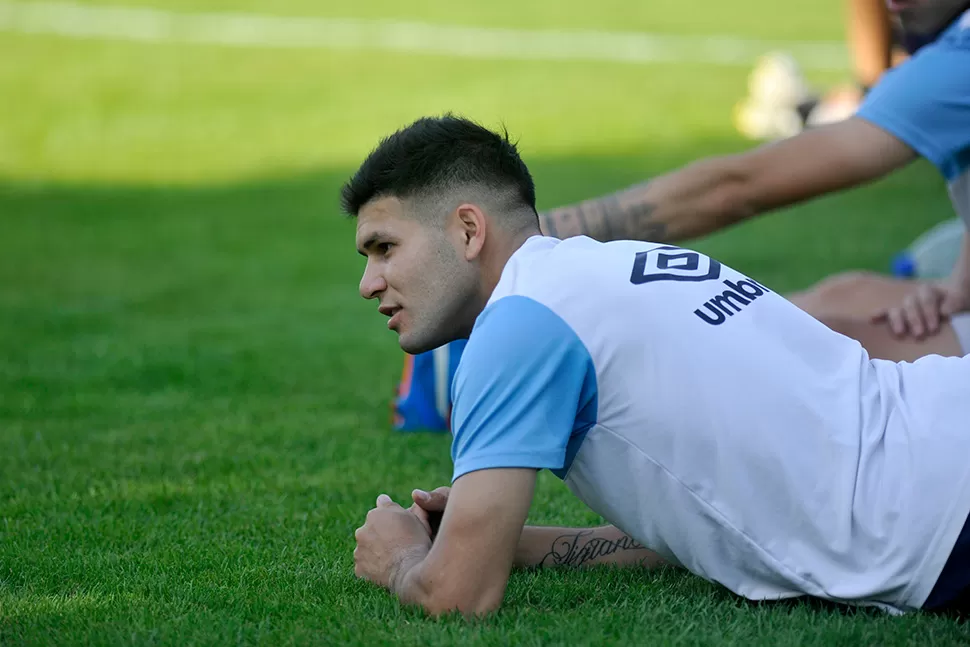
(924, 309)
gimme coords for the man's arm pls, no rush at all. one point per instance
(546, 546)
(468, 565)
(714, 193)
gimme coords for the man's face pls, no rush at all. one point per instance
(423, 283)
(925, 16)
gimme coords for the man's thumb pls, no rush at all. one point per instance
(384, 501)
(431, 501)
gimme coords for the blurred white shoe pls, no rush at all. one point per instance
(776, 87)
(757, 121)
(777, 80)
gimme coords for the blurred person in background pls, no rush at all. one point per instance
(919, 109)
(780, 102)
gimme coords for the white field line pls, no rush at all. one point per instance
(256, 30)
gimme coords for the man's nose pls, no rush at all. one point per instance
(371, 283)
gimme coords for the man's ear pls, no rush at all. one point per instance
(473, 226)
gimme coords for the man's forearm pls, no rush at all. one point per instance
(695, 200)
(714, 193)
(539, 546)
(550, 546)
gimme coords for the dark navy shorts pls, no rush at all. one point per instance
(951, 593)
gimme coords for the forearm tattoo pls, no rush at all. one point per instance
(605, 219)
(576, 549)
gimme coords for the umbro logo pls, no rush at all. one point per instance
(669, 263)
(730, 302)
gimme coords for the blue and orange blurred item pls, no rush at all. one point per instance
(423, 398)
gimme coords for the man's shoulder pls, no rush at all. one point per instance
(518, 341)
(563, 274)
(517, 320)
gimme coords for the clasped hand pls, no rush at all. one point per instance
(393, 536)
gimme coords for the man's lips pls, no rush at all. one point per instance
(392, 312)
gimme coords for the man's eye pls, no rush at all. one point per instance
(384, 248)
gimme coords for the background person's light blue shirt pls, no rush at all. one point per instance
(925, 102)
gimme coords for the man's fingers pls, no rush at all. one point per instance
(930, 299)
(384, 501)
(422, 516)
(897, 325)
(932, 318)
(914, 322)
(910, 314)
(434, 501)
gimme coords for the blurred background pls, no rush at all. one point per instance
(188, 377)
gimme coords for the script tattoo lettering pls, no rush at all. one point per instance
(620, 216)
(575, 550)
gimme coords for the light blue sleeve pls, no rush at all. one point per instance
(925, 102)
(525, 386)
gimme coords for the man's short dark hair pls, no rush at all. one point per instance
(441, 154)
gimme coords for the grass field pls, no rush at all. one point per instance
(194, 399)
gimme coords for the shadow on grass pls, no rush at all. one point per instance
(154, 246)
(250, 288)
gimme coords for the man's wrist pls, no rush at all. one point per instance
(409, 558)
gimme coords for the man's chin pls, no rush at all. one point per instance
(409, 346)
(416, 349)
(413, 346)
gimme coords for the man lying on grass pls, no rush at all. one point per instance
(718, 427)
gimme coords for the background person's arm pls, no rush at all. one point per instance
(714, 193)
(926, 103)
(870, 39)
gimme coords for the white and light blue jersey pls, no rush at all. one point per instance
(716, 423)
(925, 102)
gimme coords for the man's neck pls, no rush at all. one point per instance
(495, 261)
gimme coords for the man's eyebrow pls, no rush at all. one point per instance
(370, 241)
